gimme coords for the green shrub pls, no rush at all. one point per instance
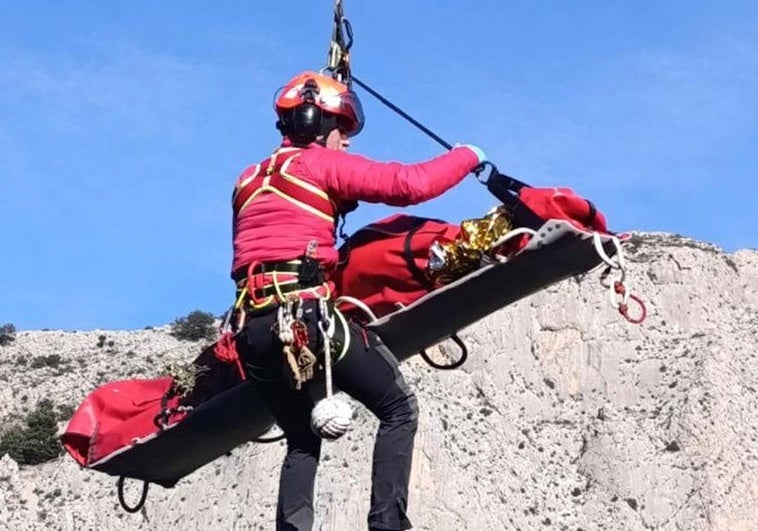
(195, 326)
(35, 443)
(7, 334)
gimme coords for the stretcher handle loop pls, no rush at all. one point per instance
(460, 361)
(122, 501)
(267, 440)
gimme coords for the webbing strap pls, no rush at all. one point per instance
(506, 190)
(415, 270)
(284, 288)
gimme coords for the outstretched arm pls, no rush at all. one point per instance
(354, 177)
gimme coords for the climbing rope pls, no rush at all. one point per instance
(325, 324)
(338, 63)
(357, 303)
(511, 235)
(331, 417)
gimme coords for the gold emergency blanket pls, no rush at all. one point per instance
(449, 261)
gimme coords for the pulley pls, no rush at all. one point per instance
(338, 58)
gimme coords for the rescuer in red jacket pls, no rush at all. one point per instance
(285, 213)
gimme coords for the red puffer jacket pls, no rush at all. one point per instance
(294, 197)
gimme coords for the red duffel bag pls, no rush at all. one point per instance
(383, 263)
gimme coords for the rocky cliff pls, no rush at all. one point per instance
(565, 417)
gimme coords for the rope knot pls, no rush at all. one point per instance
(331, 418)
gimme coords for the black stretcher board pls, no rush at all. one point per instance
(558, 251)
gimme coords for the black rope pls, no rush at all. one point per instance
(122, 501)
(401, 112)
(509, 183)
(339, 64)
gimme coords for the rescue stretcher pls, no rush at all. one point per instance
(166, 439)
(237, 415)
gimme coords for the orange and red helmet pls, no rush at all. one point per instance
(312, 104)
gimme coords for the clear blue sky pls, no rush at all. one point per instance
(123, 126)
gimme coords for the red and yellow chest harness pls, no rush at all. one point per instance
(272, 176)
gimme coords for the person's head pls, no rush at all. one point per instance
(313, 107)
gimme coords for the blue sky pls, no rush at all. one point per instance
(123, 126)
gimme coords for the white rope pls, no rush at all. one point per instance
(325, 323)
(357, 303)
(331, 417)
(509, 236)
(284, 320)
(512, 234)
(618, 263)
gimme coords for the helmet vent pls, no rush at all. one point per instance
(309, 91)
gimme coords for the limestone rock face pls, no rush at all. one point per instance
(565, 417)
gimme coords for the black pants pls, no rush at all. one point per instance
(369, 373)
